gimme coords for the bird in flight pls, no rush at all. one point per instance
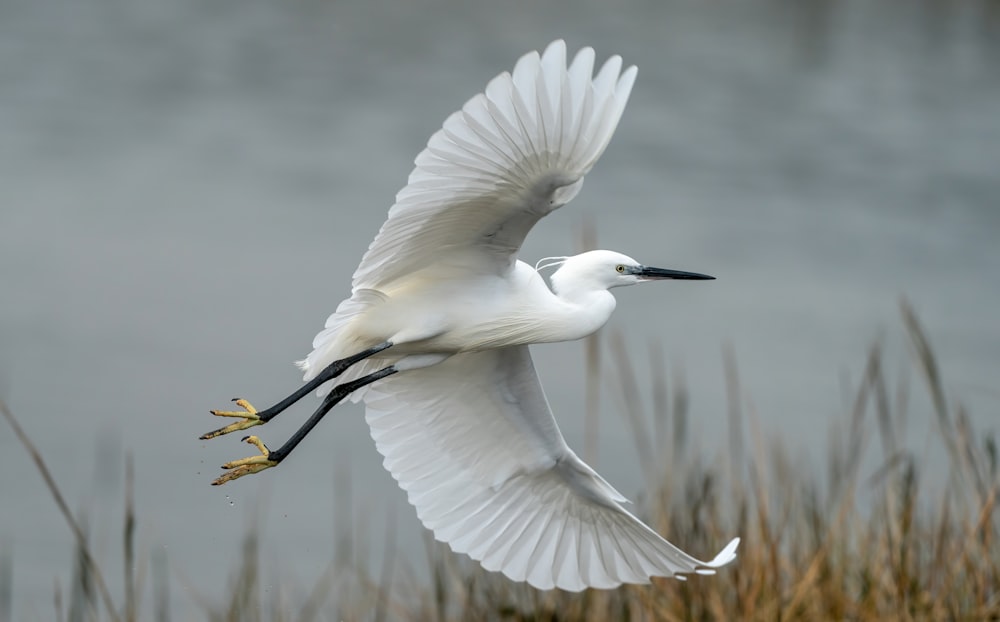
(434, 338)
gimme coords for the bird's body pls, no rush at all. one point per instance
(434, 338)
(482, 313)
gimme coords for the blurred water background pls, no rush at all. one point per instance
(187, 187)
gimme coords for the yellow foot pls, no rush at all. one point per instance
(247, 466)
(248, 414)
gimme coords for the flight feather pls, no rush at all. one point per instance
(510, 156)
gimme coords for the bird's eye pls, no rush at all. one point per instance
(620, 268)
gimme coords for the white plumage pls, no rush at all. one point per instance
(463, 422)
(473, 443)
(510, 156)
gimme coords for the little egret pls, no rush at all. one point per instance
(434, 338)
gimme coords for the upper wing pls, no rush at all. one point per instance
(473, 443)
(509, 157)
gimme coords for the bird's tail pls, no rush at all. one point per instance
(337, 341)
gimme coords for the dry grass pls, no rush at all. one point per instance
(870, 535)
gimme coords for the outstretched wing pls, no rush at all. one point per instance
(473, 443)
(511, 155)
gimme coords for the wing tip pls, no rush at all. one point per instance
(726, 555)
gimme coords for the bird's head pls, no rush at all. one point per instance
(607, 269)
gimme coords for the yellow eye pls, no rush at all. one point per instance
(620, 268)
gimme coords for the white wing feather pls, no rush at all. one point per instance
(510, 156)
(473, 443)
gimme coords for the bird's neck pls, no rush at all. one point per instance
(586, 310)
(569, 310)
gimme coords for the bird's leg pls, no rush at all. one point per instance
(252, 417)
(268, 458)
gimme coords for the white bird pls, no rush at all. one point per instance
(435, 337)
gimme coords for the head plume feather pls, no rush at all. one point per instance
(549, 262)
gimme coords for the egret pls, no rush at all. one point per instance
(434, 338)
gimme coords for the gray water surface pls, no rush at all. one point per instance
(188, 186)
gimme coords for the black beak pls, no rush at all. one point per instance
(647, 273)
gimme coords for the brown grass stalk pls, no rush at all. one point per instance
(83, 548)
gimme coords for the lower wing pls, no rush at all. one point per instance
(475, 446)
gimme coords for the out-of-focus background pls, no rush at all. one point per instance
(186, 188)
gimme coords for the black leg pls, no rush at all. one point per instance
(251, 417)
(330, 372)
(335, 396)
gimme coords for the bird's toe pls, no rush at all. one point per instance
(249, 416)
(247, 466)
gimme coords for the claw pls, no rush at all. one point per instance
(248, 414)
(247, 466)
